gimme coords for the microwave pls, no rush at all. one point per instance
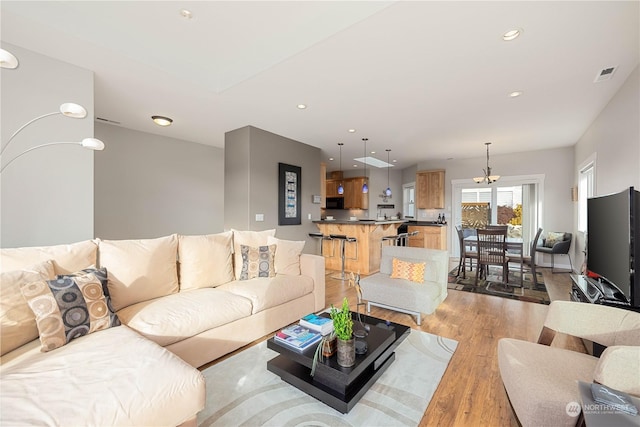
(335, 203)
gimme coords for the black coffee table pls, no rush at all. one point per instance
(339, 387)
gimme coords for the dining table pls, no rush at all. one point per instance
(514, 246)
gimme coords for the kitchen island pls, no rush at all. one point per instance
(365, 258)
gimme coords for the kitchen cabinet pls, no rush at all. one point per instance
(332, 187)
(354, 198)
(430, 189)
(429, 236)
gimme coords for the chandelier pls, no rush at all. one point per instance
(487, 178)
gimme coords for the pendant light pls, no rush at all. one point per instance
(387, 192)
(487, 178)
(365, 187)
(340, 187)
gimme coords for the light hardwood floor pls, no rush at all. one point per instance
(470, 392)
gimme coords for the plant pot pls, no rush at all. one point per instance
(346, 352)
(329, 347)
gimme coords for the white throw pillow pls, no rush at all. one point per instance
(247, 238)
(205, 261)
(66, 258)
(288, 252)
(17, 321)
(140, 270)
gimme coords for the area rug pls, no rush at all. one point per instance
(241, 392)
(530, 292)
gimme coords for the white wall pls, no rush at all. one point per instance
(555, 165)
(46, 196)
(149, 186)
(614, 139)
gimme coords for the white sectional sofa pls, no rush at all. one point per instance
(183, 301)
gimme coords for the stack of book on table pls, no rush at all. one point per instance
(324, 325)
(297, 337)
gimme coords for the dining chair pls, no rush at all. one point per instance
(528, 261)
(497, 227)
(466, 252)
(492, 251)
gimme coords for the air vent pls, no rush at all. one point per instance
(605, 74)
(108, 121)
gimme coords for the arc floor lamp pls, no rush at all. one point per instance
(68, 109)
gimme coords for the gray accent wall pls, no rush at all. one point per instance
(149, 186)
(46, 195)
(251, 182)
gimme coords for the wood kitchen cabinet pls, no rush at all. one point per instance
(332, 187)
(429, 236)
(354, 198)
(430, 189)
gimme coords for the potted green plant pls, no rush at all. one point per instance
(343, 329)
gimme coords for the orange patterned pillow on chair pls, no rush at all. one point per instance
(413, 271)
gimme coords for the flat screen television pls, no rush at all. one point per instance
(613, 239)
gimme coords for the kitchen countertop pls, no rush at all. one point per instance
(426, 224)
(360, 221)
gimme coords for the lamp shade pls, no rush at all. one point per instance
(73, 110)
(92, 144)
(8, 60)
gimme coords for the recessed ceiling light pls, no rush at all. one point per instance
(186, 14)
(331, 158)
(394, 161)
(302, 106)
(352, 130)
(161, 120)
(373, 152)
(355, 166)
(516, 94)
(512, 34)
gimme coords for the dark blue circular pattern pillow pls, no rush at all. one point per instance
(68, 307)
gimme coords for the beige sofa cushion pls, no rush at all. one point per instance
(265, 292)
(112, 378)
(541, 380)
(619, 368)
(173, 318)
(287, 260)
(66, 258)
(247, 238)
(17, 321)
(205, 261)
(140, 270)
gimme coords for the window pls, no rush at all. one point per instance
(586, 180)
(409, 200)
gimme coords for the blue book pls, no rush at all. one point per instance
(324, 325)
(297, 337)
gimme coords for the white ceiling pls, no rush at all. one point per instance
(429, 80)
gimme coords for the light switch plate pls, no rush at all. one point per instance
(259, 217)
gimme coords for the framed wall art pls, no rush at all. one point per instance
(289, 191)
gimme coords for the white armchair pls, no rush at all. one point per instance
(541, 380)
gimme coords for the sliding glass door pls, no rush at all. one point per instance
(513, 201)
